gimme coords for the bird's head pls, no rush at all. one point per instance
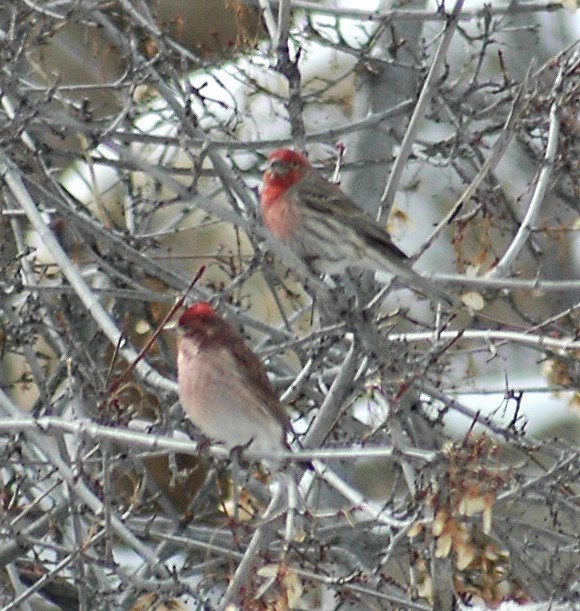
(286, 167)
(200, 321)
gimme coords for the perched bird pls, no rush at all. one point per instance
(325, 228)
(223, 386)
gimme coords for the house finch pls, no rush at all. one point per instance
(223, 386)
(325, 228)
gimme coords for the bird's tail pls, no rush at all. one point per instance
(428, 289)
(410, 278)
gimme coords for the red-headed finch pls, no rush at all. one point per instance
(325, 228)
(223, 386)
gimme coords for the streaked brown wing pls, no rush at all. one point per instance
(327, 198)
(252, 371)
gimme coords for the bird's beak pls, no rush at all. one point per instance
(268, 168)
(170, 325)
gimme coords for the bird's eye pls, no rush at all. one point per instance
(278, 167)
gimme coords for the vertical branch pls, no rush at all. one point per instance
(288, 67)
(388, 196)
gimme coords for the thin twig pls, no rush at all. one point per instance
(388, 196)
